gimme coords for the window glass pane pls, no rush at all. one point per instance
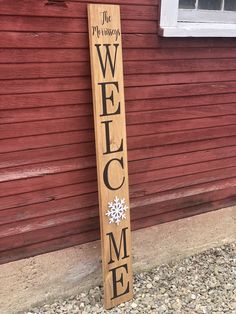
(230, 5)
(209, 4)
(187, 4)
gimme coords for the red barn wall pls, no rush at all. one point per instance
(181, 124)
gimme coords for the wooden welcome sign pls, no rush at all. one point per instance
(111, 150)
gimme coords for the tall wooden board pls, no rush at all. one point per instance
(111, 150)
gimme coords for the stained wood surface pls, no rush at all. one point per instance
(181, 124)
(111, 151)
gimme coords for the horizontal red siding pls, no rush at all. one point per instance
(181, 124)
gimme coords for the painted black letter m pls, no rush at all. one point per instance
(113, 246)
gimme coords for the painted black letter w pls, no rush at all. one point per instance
(103, 63)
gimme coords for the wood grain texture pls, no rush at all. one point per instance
(181, 124)
(111, 151)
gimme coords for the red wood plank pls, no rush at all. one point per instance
(68, 40)
(180, 193)
(48, 221)
(134, 126)
(179, 114)
(67, 25)
(137, 151)
(46, 140)
(184, 213)
(44, 196)
(50, 70)
(46, 113)
(149, 145)
(56, 193)
(22, 55)
(181, 159)
(136, 2)
(173, 204)
(47, 181)
(178, 53)
(179, 171)
(178, 78)
(43, 99)
(191, 145)
(49, 233)
(92, 222)
(68, 178)
(62, 242)
(77, 83)
(180, 90)
(164, 199)
(180, 102)
(80, 40)
(142, 67)
(47, 154)
(182, 136)
(82, 203)
(75, 215)
(182, 203)
(39, 170)
(76, 239)
(175, 179)
(44, 85)
(44, 70)
(57, 139)
(72, 98)
(171, 126)
(72, 9)
(141, 189)
(45, 127)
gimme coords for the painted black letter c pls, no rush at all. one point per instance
(105, 174)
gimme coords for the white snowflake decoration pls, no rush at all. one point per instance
(116, 211)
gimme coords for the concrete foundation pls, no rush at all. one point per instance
(45, 277)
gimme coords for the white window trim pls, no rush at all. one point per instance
(170, 26)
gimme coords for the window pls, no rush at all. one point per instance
(198, 18)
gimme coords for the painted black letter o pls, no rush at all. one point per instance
(105, 174)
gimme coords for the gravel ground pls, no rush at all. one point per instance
(203, 283)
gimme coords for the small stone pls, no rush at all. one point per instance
(162, 309)
(200, 284)
(69, 307)
(176, 305)
(134, 305)
(156, 278)
(86, 301)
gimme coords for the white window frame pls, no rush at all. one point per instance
(208, 24)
